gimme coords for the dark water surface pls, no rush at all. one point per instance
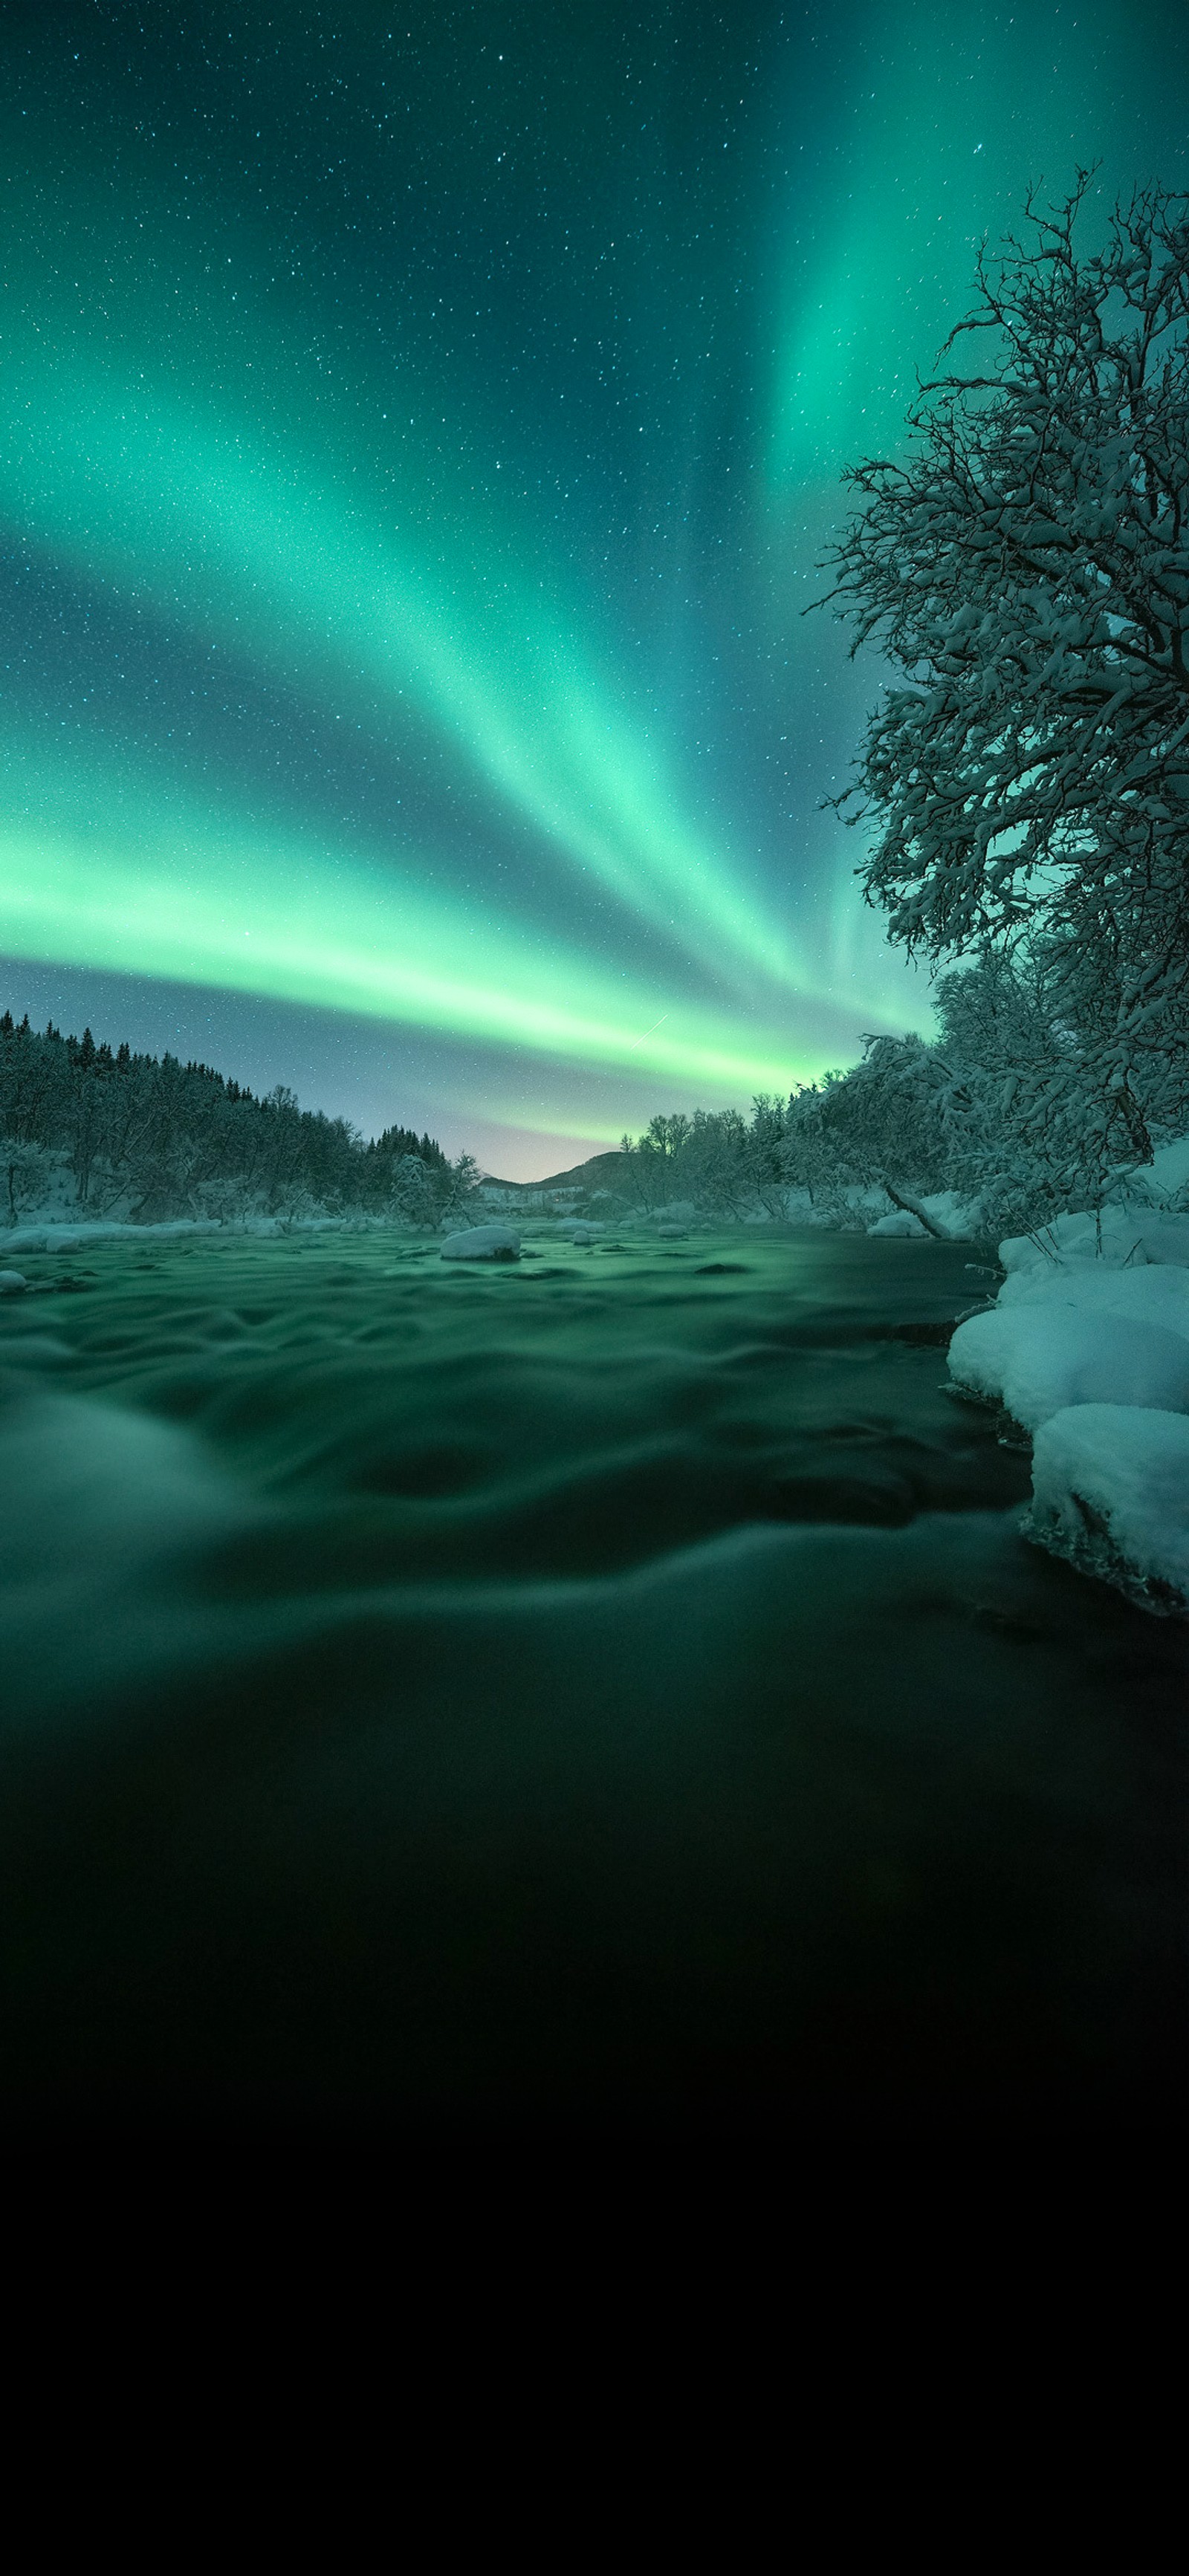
(601, 1695)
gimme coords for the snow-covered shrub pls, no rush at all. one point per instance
(32, 1177)
(119, 1136)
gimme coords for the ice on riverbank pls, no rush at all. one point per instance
(1113, 1238)
(1087, 1349)
(1037, 1360)
(60, 1236)
(1110, 1491)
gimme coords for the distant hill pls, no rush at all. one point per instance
(600, 1173)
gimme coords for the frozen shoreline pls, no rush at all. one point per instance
(1086, 1350)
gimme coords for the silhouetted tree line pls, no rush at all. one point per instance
(399, 1141)
(144, 1137)
(1008, 1107)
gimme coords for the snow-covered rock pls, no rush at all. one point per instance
(1110, 1491)
(12, 1282)
(901, 1221)
(482, 1243)
(1037, 1360)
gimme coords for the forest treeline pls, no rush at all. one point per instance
(1009, 1107)
(145, 1138)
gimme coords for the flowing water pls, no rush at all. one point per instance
(604, 1694)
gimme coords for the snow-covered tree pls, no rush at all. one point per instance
(147, 1138)
(1025, 567)
(460, 1201)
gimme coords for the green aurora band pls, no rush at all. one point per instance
(236, 910)
(232, 533)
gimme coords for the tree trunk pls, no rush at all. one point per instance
(904, 1199)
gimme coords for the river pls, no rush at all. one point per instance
(602, 1695)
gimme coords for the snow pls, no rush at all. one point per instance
(12, 1282)
(959, 1216)
(1037, 1360)
(901, 1221)
(1110, 1491)
(482, 1243)
(61, 1237)
(1167, 1173)
(1087, 1348)
(1122, 1237)
(1156, 1295)
(951, 1215)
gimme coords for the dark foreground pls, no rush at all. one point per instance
(605, 1696)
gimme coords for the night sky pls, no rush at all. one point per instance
(420, 429)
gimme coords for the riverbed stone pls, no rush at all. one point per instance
(482, 1243)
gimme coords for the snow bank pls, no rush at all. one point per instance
(1166, 1175)
(1036, 1360)
(1110, 1491)
(69, 1237)
(1121, 1237)
(901, 1221)
(962, 1218)
(1152, 1296)
(1088, 1348)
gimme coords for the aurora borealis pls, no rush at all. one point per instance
(419, 431)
